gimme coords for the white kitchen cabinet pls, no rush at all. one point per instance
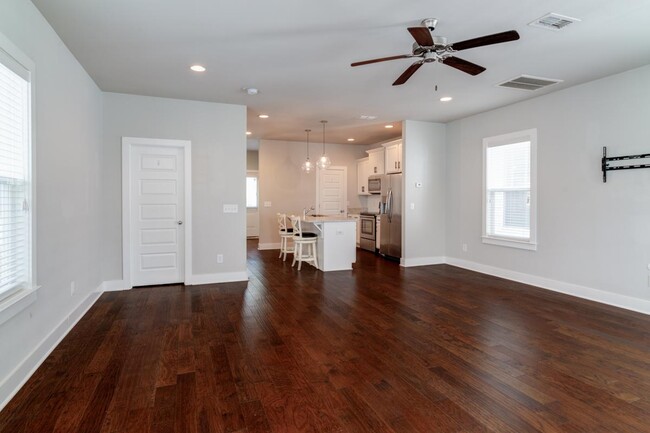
(376, 160)
(363, 171)
(394, 157)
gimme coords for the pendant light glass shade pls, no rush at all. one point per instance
(307, 166)
(324, 161)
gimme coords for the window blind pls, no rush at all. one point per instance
(14, 172)
(508, 191)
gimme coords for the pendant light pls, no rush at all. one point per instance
(307, 166)
(324, 161)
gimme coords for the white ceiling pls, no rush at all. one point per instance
(298, 53)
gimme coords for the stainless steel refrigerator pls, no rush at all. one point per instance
(390, 216)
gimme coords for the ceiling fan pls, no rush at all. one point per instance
(436, 49)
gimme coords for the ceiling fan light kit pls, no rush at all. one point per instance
(432, 49)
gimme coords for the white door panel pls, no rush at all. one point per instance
(157, 203)
(332, 191)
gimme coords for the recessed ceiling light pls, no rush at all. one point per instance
(248, 133)
(367, 117)
(263, 116)
(388, 126)
(250, 90)
(197, 68)
(446, 99)
(350, 139)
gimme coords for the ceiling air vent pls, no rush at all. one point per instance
(528, 82)
(553, 21)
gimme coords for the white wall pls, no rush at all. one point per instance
(593, 236)
(67, 145)
(282, 182)
(252, 160)
(218, 176)
(423, 228)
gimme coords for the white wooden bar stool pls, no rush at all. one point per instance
(286, 233)
(304, 244)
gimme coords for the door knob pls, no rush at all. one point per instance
(180, 223)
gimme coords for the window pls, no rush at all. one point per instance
(15, 176)
(251, 191)
(509, 210)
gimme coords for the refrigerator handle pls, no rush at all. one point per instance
(389, 203)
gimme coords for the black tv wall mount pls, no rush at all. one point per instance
(606, 160)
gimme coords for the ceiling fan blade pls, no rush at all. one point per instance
(496, 38)
(422, 36)
(463, 65)
(407, 74)
(383, 59)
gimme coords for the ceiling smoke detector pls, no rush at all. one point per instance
(553, 21)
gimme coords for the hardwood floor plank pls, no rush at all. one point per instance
(380, 348)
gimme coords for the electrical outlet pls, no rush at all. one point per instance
(219, 258)
(72, 288)
(464, 246)
(412, 206)
(267, 204)
(230, 208)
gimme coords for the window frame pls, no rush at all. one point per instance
(14, 301)
(501, 140)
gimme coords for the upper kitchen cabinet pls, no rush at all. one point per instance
(376, 161)
(394, 157)
(363, 171)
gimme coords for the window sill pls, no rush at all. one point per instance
(503, 242)
(16, 303)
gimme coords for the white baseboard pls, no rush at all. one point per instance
(609, 298)
(114, 286)
(222, 277)
(17, 378)
(270, 246)
(421, 261)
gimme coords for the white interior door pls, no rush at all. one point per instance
(252, 205)
(332, 191)
(157, 211)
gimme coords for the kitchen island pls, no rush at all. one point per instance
(337, 241)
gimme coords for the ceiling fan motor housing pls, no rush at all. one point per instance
(430, 23)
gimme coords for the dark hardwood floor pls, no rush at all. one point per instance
(378, 349)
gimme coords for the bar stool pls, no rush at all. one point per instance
(300, 240)
(286, 233)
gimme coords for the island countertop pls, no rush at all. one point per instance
(328, 218)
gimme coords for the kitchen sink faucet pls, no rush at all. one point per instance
(306, 211)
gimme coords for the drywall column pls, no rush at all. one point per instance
(423, 226)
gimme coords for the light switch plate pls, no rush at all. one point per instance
(230, 208)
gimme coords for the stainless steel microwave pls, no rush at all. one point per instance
(374, 184)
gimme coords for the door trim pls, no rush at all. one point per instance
(186, 146)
